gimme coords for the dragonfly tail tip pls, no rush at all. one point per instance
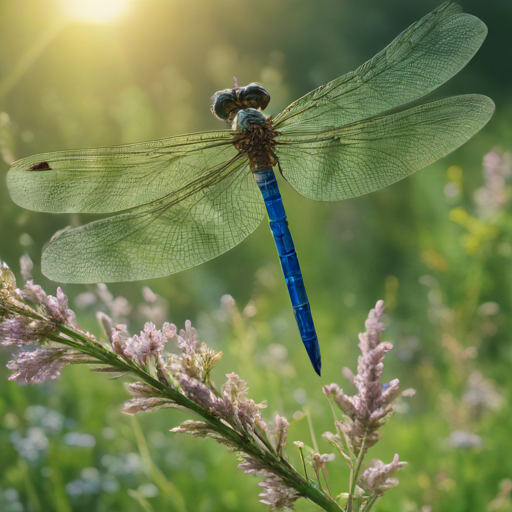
(314, 355)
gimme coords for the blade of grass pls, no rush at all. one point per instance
(154, 473)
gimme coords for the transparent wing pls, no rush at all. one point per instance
(166, 236)
(111, 179)
(368, 155)
(418, 61)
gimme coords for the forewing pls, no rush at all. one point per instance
(111, 179)
(167, 236)
(418, 61)
(368, 155)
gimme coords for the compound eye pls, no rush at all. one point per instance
(254, 96)
(222, 104)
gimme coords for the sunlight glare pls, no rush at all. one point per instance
(96, 11)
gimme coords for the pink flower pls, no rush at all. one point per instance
(140, 348)
(366, 411)
(377, 478)
(39, 365)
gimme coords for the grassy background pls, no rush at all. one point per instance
(443, 269)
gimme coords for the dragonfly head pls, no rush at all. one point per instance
(228, 102)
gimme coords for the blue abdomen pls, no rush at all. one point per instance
(267, 183)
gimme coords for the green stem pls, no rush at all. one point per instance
(311, 430)
(354, 473)
(274, 463)
(371, 502)
(303, 463)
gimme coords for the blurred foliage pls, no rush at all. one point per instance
(424, 245)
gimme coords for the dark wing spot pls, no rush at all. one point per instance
(41, 166)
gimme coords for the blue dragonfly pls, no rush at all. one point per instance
(181, 201)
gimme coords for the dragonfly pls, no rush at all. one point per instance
(180, 201)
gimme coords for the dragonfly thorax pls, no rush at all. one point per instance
(245, 118)
(254, 136)
(227, 103)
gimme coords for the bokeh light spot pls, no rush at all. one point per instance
(96, 11)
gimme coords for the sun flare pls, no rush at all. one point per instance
(96, 11)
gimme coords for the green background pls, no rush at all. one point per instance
(442, 267)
